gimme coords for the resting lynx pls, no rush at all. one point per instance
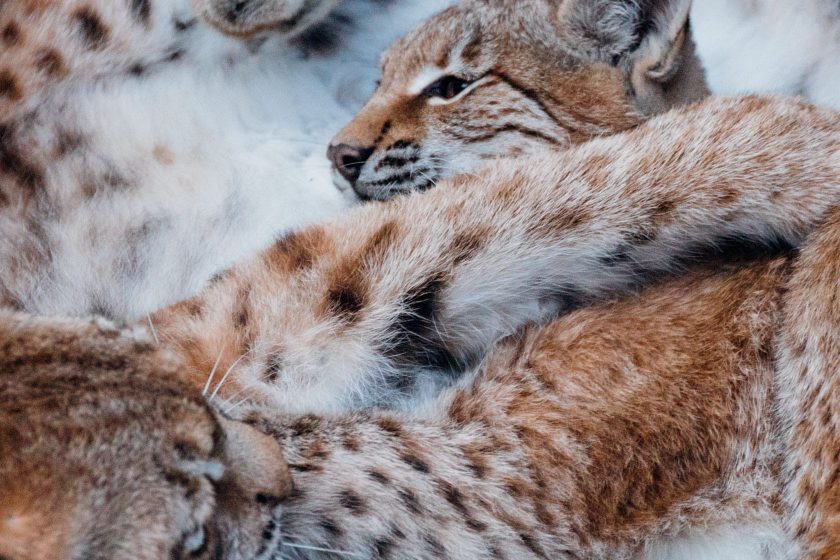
(621, 430)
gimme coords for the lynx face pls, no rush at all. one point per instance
(484, 80)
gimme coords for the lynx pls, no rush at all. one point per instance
(637, 428)
(429, 401)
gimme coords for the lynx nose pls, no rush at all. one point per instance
(348, 160)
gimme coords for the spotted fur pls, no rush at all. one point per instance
(395, 301)
(110, 194)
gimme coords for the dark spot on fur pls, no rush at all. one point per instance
(12, 163)
(243, 309)
(353, 502)
(436, 547)
(189, 484)
(383, 546)
(351, 442)
(331, 527)
(183, 25)
(276, 365)
(91, 29)
(137, 69)
(305, 425)
(141, 10)
(415, 337)
(386, 128)
(268, 531)
(472, 50)
(9, 86)
(389, 426)
(409, 499)
(67, 142)
(218, 277)
(476, 525)
(396, 162)
(175, 55)
(531, 543)
(466, 245)
(298, 250)
(324, 38)
(346, 300)
(306, 467)
(50, 62)
(401, 145)
(415, 463)
(10, 34)
(452, 495)
(379, 477)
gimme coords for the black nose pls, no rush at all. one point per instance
(348, 160)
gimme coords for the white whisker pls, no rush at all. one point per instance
(152, 328)
(319, 549)
(225, 376)
(212, 373)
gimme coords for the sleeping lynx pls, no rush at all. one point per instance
(626, 429)
(630, 429)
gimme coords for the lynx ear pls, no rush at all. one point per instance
(649, 40)
(663, 69)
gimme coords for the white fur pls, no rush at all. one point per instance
(245, 134)
(745, 542)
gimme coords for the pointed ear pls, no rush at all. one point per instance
(649, 40)
(663, 69)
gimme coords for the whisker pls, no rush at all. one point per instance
(212, 373)
(225, 376)
(152, 328)
(250, 351)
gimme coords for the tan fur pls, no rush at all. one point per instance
(252, 17)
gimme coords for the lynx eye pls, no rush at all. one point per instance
(446, 87)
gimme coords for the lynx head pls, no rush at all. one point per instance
(496, 78)
(105, 453)
(251, 17)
